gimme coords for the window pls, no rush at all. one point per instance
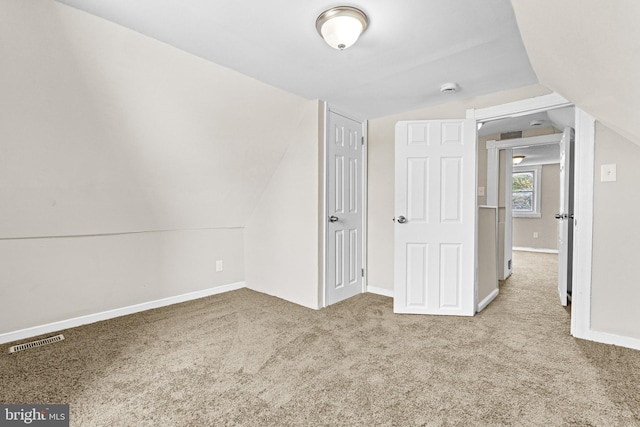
(525, 200)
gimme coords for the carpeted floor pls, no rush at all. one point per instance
(244, 358)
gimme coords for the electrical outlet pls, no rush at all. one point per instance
(218, 266)
(535, 234)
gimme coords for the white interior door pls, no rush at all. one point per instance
(344, 208)
(435, 208)
(565, 217)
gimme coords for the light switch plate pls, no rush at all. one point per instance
(608, 173)
(480, 191)
(219, 265)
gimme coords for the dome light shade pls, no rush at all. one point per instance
(341, 26)
(517, 160)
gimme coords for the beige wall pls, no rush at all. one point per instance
(381, 174)
(547, 225)
(281, 236)
(616, 238)
(103, 130)
(55, 279)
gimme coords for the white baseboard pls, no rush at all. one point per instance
(544, 251)
(380, 291)
(613, 339)
(110, 314)
(485, 302)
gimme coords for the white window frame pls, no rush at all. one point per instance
(537, 184)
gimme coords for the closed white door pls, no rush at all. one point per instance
(435, 217)
(565, 217)
(344, 208)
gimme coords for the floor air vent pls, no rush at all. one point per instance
(34, 344)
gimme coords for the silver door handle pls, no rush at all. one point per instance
(401, 219)
(333, 218)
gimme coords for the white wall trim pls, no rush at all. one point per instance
(519, 108)
(110, 314)
(553, 138)
(365, 203)
(540, 250)
(612, 339)
(584, 152)
(485, 302)
(380, 291)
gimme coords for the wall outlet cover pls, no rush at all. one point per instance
(608, 173)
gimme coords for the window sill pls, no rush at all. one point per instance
(526, 214)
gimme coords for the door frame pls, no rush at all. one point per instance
(583, 209)
(323, 229)
(493, 177)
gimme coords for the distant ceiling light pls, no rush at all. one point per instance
(480, 124)
(449, 88)
(517, 160)
(534, 123)
(341, 26)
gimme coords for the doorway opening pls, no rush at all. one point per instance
(530, 172)
(584, 162)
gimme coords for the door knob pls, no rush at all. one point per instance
(333, 218)
(401, 219)
(558, 216)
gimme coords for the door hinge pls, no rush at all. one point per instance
(363, 272)
(362, 140)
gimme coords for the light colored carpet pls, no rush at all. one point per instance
(244, 358)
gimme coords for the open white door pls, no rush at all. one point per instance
(565, 217)
(435, 208)
(344, 208)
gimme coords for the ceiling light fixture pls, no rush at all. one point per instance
(517, 160)
(341, 26)
(534, 123)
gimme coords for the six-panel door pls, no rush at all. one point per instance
(435, 176)
(344, 222)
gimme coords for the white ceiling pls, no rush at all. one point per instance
(410, 48)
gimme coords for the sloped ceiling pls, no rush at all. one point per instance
(589, 52)
(409, 49)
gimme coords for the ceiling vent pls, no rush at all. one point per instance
(511, 135)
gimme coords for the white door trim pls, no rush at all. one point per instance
(325, 205)
(493, 155)
(583, 173)
(519, 108)
(584, 163)
(493, 168)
